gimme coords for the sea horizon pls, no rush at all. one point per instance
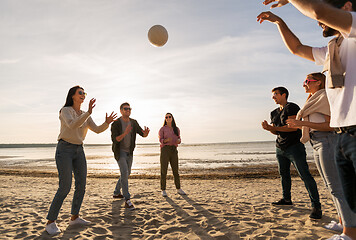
(4, 145)
(194, 158)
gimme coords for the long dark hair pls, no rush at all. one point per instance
(174, 126)
(71, 93)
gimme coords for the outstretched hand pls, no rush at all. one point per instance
(268, 16)
(279, 3)
(294, 123)
(111, 118)
(91, 105)
(146, 131)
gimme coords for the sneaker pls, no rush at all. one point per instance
(52, 228)
(334, 226)
(181, 192)
(282, 202)
(340, 237)
(164, 194)
(129, 205)
(316, 213)
(118, 195)
(79, 221)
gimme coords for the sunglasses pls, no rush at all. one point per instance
(307, 81)
(82, 93)
(168, 117)
(127, 109)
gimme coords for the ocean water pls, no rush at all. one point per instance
(146, 156)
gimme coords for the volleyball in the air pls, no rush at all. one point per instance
(158, 35)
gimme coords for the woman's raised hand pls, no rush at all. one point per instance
(91, 105)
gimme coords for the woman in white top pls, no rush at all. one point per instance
(315, 128)
(70, 155)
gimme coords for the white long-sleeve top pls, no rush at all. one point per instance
(74, 126)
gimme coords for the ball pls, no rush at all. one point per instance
(158, 35)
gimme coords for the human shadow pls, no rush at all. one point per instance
(71, 232)
(196, 228)
(45, 235)
(212, 219)
(121, 220)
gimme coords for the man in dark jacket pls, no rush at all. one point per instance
(289, 150)
(123, 136)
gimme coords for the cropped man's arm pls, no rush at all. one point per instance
(338, 19)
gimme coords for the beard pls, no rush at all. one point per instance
(328, 31)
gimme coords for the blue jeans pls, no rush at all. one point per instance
(296, 154)
(324, 144)
(346, 160)
(125, 163)
(69, 158)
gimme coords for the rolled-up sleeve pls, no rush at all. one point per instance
(319, 55)
(352, 33)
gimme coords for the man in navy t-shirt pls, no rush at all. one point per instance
(289, 150)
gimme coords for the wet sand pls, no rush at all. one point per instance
(248, 171)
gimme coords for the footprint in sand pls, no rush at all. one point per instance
(168, 217)
(99, 230)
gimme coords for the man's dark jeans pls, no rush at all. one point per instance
(345, 156)
(296, 154)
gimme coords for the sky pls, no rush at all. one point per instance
(215, 74)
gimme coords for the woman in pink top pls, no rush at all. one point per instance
(169, 137)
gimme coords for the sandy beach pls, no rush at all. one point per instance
(237, 208)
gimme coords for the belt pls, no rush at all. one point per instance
(348, 129)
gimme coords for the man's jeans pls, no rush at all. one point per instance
(324, 144)
(296, 154)
(125, 163)
(346, 160)
(69, 157)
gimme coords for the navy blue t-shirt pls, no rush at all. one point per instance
(278, 118)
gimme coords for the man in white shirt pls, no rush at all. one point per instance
(337, 18)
